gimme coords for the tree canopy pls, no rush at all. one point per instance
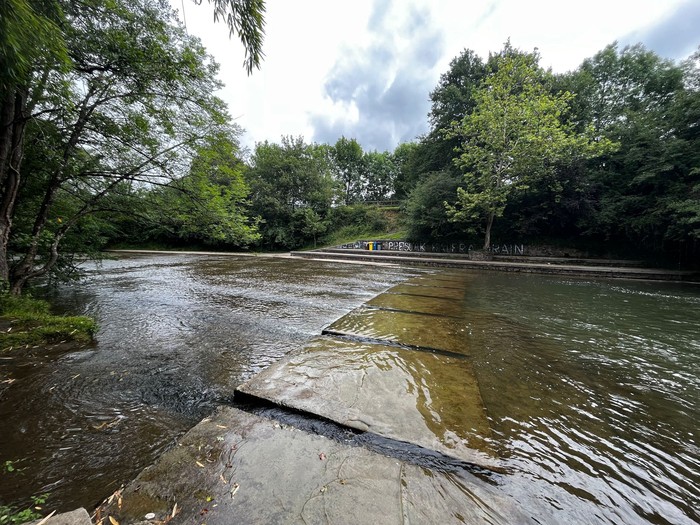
(515, 135)
(101, 98)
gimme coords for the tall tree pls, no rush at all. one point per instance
(347, 155)
(645, 192)
(57, 70)
(515, 135)
(208, 205)
(379, 175)
(135, 102)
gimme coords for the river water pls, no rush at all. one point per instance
(591, 387)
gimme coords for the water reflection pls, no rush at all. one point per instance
(177, 334)
(595, 404)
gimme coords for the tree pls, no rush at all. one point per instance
(285, 180)
(426, 215)
(209, 204)
(379, 175)
(647, 192)
(30, 40)
(347, 155)
(76, 67)
(130, 111)
(514, 136)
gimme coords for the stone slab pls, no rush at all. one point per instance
(438, 333)
(423, 398)
(418, 304)
(75, 517)
(239, 468)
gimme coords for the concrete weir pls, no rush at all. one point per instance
(396, 368)
(236, 467)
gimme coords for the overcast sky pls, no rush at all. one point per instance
(364, 68)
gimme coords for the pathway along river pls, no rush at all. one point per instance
(591, 387)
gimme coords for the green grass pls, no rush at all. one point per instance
(349, 234)
(26, 321)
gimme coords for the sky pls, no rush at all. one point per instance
(364, 69)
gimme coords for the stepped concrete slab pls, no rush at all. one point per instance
(417, 304)
(235, 467)
(426, 290)
(580, 270)
(446, 334)
(423, 398)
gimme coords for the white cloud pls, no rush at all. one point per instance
(310, 42)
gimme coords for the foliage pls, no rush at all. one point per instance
(31, 323)
(360, 221)
(246, 19)
(379, 175)
(514, 136)
(128, 110)
(426, 214)
(346, 156)
(286, 180)
(10, 515)
(209, 204)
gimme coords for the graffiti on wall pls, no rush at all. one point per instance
(455, 247)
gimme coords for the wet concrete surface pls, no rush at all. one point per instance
(236, 467)
(423, 398)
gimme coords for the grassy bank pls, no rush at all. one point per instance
(26, 321)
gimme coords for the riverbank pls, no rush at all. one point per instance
(25, 321)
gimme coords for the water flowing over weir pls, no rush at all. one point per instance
(585, 392)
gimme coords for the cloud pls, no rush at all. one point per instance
(379, 93)
(675, 36)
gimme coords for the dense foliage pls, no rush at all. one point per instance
(111, 135)
(98, 101)
(605, 155)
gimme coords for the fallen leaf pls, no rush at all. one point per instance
(235, 488)
(174, 510)
(221, 426)
(223, 479)
(113, 521)
(199, 464)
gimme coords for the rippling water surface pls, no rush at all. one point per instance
(593, 394)
(591, 388)
(177, 334)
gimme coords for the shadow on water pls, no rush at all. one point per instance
(177, 335)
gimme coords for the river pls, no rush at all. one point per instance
(591, 386)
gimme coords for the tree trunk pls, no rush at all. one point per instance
(489, 224)
(12, 124)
